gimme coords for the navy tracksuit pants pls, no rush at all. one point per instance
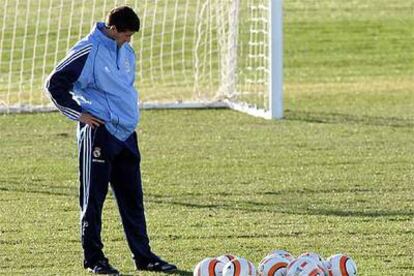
(103, 159)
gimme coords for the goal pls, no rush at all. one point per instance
(190, 53)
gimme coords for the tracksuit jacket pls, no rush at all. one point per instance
(75, 86)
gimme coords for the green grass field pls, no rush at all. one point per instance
(218, 181)
(336, 175)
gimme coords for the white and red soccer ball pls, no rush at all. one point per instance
(282, 253)
(304, 266)
(341, 265)
(273, 265)
(209, 267)
(239, 267)
(225, 258)
(319, 260)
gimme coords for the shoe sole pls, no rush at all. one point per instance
(154, 270)
(111, 274)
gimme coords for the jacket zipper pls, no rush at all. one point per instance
(117, 57)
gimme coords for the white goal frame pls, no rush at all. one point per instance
(275, 93)
(275, 110)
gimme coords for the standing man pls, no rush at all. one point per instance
(94, 85)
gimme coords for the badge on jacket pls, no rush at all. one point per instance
(97, 152)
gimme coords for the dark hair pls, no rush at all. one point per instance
(124, 19)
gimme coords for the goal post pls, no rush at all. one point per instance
(272, 82)
(190, 53)
(276, 59)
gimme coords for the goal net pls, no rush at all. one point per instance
(190, 53)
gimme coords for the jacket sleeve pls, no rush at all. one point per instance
(61, 81)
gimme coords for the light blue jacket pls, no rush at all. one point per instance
(98, 77)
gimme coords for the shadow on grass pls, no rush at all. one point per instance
(293, 208)
(296, 208)
(44, 192)
(343, 118)
(178, 272)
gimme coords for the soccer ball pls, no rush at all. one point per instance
(341, 265)
(208, 267)
(304, 266)
(226, 258)
(273, 265)
(318, 259)
(282, 253)
(312, 255)
(239, 267)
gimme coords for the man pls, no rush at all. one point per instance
(94, 85)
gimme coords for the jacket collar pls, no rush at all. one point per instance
(97, 33)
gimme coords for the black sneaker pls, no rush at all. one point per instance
(157, 266)
(103, 267)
